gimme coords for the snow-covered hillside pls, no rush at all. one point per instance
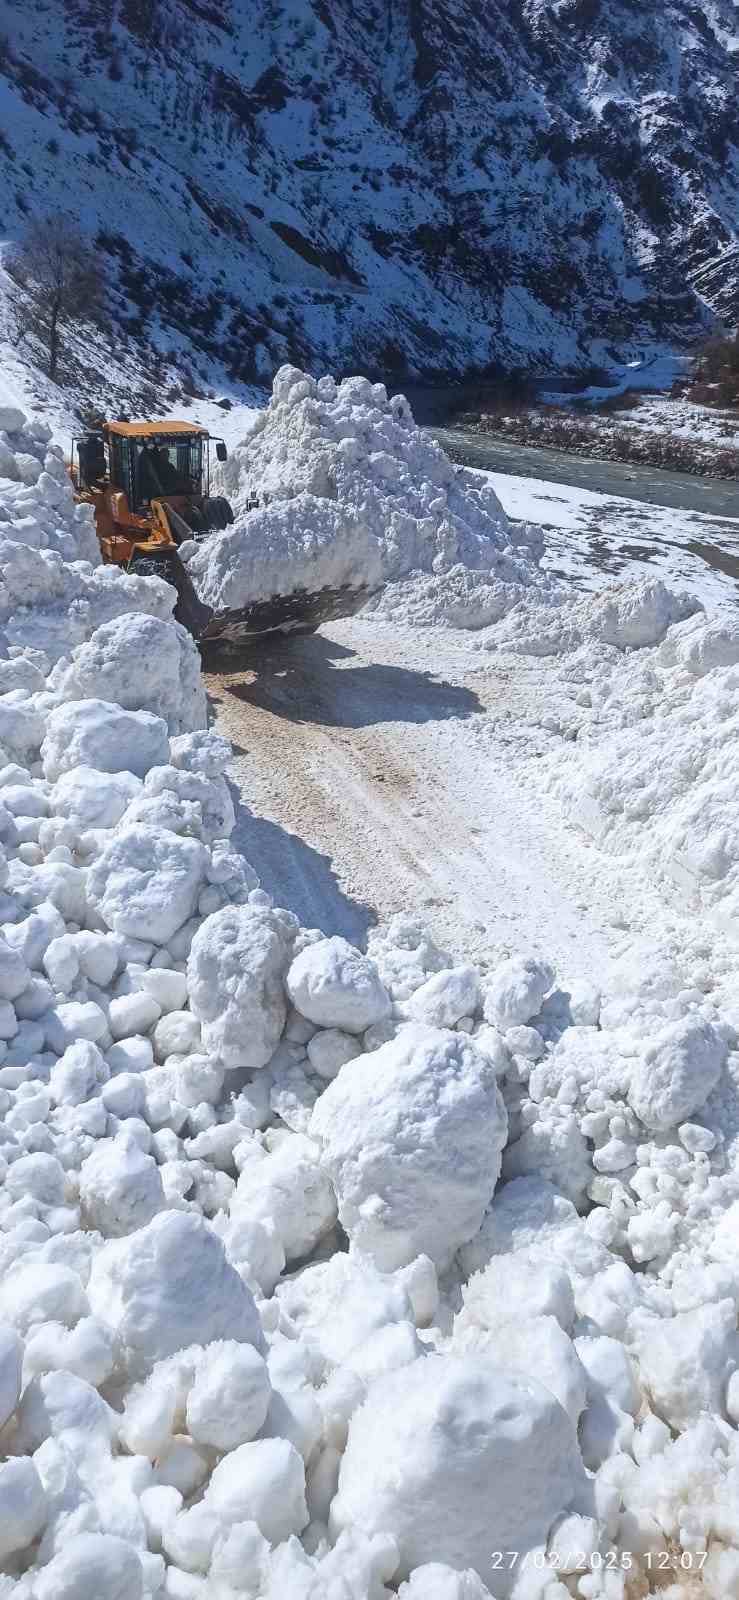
(386, 183)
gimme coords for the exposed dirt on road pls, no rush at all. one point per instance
(369, 785)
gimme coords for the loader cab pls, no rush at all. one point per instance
(151, 461)
(146, 461)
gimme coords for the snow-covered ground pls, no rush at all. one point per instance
(658, 413)
(338, 1268)
(592, 539)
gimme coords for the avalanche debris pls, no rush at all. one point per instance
(294, 1237)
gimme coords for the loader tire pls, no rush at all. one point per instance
(217, 513)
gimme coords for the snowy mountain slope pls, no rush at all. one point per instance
(386, 183)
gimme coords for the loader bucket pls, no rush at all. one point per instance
(299, 612)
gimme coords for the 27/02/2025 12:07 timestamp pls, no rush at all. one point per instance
(596, 1561)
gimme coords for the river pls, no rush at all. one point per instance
(679, 491)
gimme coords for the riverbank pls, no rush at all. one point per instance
(602, 437)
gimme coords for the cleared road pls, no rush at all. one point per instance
(376, 777)
(717, 497)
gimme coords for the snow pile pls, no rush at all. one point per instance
(195, 1091)
(654, 774)
(627, 616)
(352, 492)
(37, 508)
(329, 1272)
(53, 591)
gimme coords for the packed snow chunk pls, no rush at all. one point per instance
(304, 543)
(514, 993)
(263, 1482)
(335, 986)
(73, 1020)
(290, 1191)
(145, 883)
(91, 799)
(530, 1347)
(229, 1400)
(12, 419)
(130, 1015)
(517, 1286)
(95, 733)
(340, 1303)
(685, 1362)
(434, 1581)
(41, 1291)
(167, 987)
(39, 1175)
(235, 972)
(142, 664)
(715, 644)
(454, 1460)
(11, 1369)
(92, 1566)
(636, 614)
(446, 997)
(411, 1137)
(168, 1286)
(330, 1049)
(23, 1506)
(676, 1074)
(526, 1212)
(14, 974)
(120, 1187)
(60, 1406)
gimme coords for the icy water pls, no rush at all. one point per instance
(651, 485)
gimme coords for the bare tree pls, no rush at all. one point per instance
(60, 283)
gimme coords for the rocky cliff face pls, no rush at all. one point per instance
(394, 184)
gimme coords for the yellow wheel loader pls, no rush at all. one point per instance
(149, 486)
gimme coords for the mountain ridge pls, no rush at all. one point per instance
(385, 184)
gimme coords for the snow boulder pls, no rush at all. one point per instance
(229, 1400)
(636, 614)
(95, 733)
(120, 1187)
(89, 1566)
(411, 1137)
(90, 799)
(529, 1347)
(290, 1191)
(446, 997)
(235, 974)
(23, 1506)
(434, 1581)
(515, 991)
(335, 986)
(262, 1482)
(168, 1286)
(456, 1460)
(142, 664)
(685, 1362)
(145, 883)
(676, 1073)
